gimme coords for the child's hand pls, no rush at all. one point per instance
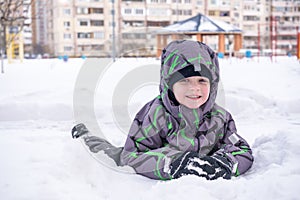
(96, 144)
(210, 167)
(79, 130)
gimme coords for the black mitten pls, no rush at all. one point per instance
(210, 167)
(79, 130)
(178, 167)
(217, 166)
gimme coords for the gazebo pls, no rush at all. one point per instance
(199, 25)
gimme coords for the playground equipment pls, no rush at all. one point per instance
(298, 45)
(14, 39)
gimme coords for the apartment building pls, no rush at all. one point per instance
(27, 36)
(285, 20)
(39, 10)
(87, 27)
(152, 15)
(79, 27)
(271, 25)
(141, 19)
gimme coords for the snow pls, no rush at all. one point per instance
(187, 26)
(226, 26)
(40, 160)
(200, 23)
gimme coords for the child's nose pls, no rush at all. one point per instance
(194, 85)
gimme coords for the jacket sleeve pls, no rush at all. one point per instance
(146, 149)
(236, 148)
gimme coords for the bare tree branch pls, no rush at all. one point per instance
(13, 13)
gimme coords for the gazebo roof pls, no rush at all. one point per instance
(200, 23)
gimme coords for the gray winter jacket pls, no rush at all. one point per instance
(162, 131)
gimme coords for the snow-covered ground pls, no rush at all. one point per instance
(40, 161)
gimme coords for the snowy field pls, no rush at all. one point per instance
(40, 160)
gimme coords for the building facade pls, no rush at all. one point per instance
(271, 25)
(79, 27)
(39, 26)
(127, 27)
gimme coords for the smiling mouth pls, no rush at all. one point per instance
(194, 97)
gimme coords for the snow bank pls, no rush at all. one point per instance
(38, 89)
(39, 160)
(43, 89)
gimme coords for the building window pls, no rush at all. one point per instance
(81, 10)
(83, 35)
(248, 27)
(67, 11)
(67, 35)
(187, 12)
(67, 24)
(98, 47)
(83, 23)
(213, 2)
(251, 18)
(84, 47)
(139, 11)
(177, 12)
(224, 3)
(127, 11)
(133, 23)
(212, 13)
(158, 12)
(134, 36)
(96, 10)
(157, 1)
(67, 48)
(224, 13)
(199, 3)
(158, 23)
(80, 48)
(97, 23)
(99, 35)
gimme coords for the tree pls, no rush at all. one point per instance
(13, 13)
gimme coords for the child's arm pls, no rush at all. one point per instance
(145, 149)
(147, 154)
(236, 148)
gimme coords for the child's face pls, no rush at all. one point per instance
(192, 91)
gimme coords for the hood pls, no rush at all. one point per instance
(183, 53)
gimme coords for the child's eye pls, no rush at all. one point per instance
(202, 80)
(184, 80)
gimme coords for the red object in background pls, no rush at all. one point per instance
(298, 45)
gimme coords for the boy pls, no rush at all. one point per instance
(182, 131)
